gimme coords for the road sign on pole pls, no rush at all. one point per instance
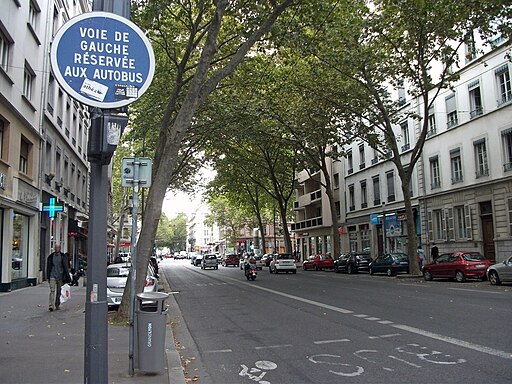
(102, 59)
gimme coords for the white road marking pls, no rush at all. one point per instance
(275, 346)
(447, 339)
(330, 341)
(372, 318)
(220, 351)
(405, 361)
(361, 315)
(384, 336)
(451, 340)
(385, 322)
(474, 290)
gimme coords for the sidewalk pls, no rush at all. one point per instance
(39, 346)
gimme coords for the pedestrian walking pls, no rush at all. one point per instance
(421, 256)
(434, 252)
(57, 273)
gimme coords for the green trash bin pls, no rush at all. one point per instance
(151, 319)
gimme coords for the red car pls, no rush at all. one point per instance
(231, 259)
(458, 266)
(318, 262)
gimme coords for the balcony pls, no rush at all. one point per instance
(476, 112)
(452, 123)
(376, 202)
(364, 205)
(406, 147)
(482, 172)
(308, 223)
(391, 198)
(457, 179)
(507, 167)
(435, 184)
(375, 160)
(350, 171)
(362, 166)
(59, 122)
(352, 208)
(431, 132)
(505, 99)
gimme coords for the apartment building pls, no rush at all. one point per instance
(460, 188)
(43, 136)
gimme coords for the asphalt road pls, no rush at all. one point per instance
(323, 327)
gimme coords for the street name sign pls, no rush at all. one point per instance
(102, 60)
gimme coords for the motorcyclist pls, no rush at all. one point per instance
(250, 263)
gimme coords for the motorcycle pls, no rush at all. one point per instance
(251, 272)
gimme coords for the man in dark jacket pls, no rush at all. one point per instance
(57, 273)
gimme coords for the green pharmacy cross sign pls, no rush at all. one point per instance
(53, 207)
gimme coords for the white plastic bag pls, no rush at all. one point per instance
(65, 293)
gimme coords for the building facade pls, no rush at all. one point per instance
(460, 188)
(42, 145)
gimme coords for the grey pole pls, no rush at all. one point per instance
(133, 269)
(96, 332)
(96, 325)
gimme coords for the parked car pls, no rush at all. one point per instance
(259, 263)
(197, 261)
(390, 264)
(117, 276)
(210, 261)
(458, 266)
(501, 272)
(318, 262)
(230, 259)
(353, 262)
(266, 259)
(283, 262)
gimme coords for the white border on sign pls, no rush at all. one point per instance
(76, 95)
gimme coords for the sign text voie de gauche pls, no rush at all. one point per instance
(102, 60)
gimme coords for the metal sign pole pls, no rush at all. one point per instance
(133, 268)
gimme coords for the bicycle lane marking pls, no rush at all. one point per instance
(403, 327)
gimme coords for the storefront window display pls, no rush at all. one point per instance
(19, 265)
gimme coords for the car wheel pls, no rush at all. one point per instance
(317, 268)
(427, 275)
(350, 269)
(336, 269)
(294, 272)
(270, 269)
(494, 279)
(389, 272)
(459, 277)
(304, 267)
(371, 271)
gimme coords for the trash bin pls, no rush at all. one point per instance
(151, 316)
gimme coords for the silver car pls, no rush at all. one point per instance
(117, 276)
(501, 272)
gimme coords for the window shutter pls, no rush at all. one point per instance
(429, 225)
(467, 214)
(509, 206)
(450, 103)
(443, 225)
(448, 213)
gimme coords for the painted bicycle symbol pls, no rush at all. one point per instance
(260, 367)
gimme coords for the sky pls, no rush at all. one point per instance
(175, 203)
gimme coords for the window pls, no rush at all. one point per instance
(375, 158)
(336, 180)
(390, 179)
(438, 225)
(481, 164)
(352, 238)
(435, 175)
(351, 198)
(361, 156)
(2, 132)
(460, 222)
(506, 137)
(28, 82)
(451, 111)
(404, 126)
(51, 94)
(350, 162)
(509, 211)
(431, 122)
(503, 82)
(364, 194)
(33, 13)
(456, 166)
(470, 47)
(376, 190)
(475, 99)
(364, 230)
(401, 94)
(25, 148)
(5, 48)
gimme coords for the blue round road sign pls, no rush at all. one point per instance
(102, 60)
